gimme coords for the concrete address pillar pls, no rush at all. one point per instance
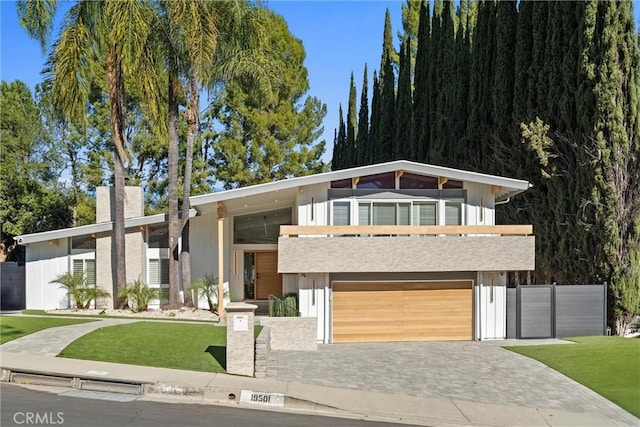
(240, 341)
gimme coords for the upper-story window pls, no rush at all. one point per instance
(425, 213)
(260, 227)
(409, 181)
(452, 184)
(384, 213)
(341, 213)
(83, 242)
(342, 183)
(379, 181)
(453, 213)
(158, 236)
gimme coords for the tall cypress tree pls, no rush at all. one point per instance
(352, 125)
(362, 139)
(374, 130)
(404, 105)
(421, 83)
(340, 140)
(384, 151)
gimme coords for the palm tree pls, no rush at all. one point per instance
(103, 44)
(207, 42)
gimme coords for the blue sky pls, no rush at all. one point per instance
(339, 37)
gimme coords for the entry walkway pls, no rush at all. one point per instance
(50, 342)
(476, 371)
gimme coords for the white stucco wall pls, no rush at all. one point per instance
(313, 198)
(45, 261)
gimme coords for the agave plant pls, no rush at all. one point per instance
(207, 286)
(79, 290)
(139, 295)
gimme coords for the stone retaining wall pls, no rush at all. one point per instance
(292, 333)
(263, 346)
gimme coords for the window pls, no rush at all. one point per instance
(159, 237)
(87, 267)
(384, 213)
(341, 213)
(260, 227)
(158, 271)
(383, 180)
(83, 242)
(453, 213)
(425, 214)
(452, 184)
(343, 183)
(409, 181)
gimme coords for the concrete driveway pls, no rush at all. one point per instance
(472, 371)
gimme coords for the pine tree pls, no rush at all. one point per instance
(362, 139)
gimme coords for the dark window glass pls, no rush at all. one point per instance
(261, 227)
(383, 181)
(83, 242)
(342, 183)
(452, 185)
(409, 181)
(159, 236)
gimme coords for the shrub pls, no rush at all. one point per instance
(207, 286)
(139, 295)
(79, 290)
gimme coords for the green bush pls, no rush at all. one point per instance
(139, 295)
(79, 290)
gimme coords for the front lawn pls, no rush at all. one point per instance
(12, 327)
(161, 344)
(610, 366)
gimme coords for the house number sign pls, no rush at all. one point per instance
(262, 398)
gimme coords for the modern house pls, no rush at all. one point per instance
(399, 251)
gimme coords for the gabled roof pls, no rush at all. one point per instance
(508, 187)
(93, 228)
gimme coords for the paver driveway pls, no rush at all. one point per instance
(474, 371)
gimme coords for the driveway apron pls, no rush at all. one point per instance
(472, 371)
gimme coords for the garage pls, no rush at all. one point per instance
(402, 311)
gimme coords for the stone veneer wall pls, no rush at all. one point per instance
(135, 248)
(292, 333)
(263, 347)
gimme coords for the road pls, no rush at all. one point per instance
(20, 406)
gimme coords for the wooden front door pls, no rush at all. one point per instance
(268, 281)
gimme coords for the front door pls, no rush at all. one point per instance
(267, 280)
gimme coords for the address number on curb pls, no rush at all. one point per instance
(262, 398)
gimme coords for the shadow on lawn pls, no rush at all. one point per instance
(219, 353)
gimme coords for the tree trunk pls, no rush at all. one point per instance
(191, 115)
(174, 224)
(115, 80)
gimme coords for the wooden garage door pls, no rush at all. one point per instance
(402, 311)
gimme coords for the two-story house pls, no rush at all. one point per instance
(399, 251)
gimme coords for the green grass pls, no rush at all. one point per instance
(610, 366)
(12, 327)
(165, 345)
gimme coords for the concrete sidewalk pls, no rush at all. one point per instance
(180, 386)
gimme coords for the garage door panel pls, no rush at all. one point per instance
(402, 311)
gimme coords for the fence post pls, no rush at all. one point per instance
(518, 311)
(604, 318)
(553, 310)
(240, 341)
